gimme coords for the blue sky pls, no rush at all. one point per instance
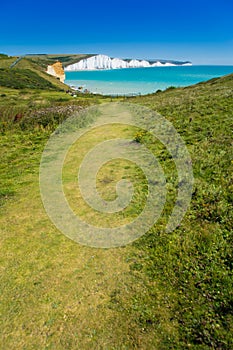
(200, 31)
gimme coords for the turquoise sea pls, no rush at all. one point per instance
(132, 81)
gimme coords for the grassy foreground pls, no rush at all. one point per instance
(165, 291)
(190, 270)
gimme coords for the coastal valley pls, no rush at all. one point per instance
(164, 290)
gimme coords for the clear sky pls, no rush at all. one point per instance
(196, 30)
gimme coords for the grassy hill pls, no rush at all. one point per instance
(24, 79)
(23, 70)
(165, 291)
(190, 270)
(65, 59)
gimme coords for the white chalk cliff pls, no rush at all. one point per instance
(106, 62)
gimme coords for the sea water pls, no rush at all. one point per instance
(133, 81)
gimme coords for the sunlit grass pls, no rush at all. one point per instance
(166, 291)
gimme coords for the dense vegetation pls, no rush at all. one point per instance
(165, 291)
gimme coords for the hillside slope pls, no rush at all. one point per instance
(24, 79)
(16, 68)
(165, 291)
(190, 269)
(65, 59)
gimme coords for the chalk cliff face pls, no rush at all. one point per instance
(106, 62)
(57, 71)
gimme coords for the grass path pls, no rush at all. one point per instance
(57, 294)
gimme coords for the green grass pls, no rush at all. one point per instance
(192, 267)
(23, 79)
(66, 59)
(62, 289)
(28, 73)
(165, 291)
(6, 62)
